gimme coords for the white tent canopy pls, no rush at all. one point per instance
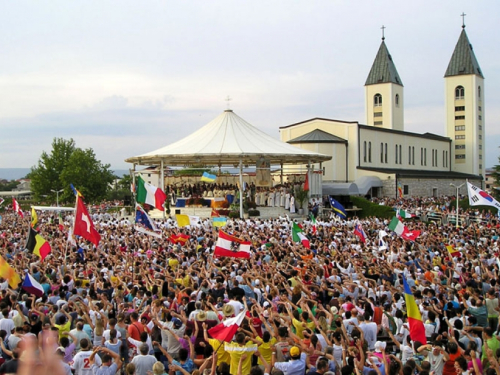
(226, 140)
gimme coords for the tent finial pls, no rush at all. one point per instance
(228, 99)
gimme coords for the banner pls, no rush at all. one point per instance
(263, 173)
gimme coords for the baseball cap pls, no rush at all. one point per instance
(294, 352)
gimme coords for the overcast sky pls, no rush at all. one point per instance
(127, 77)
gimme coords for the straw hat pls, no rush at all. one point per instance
(201, 316)
(228, 310)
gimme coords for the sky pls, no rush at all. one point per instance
(128, 77)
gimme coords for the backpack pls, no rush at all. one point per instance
(392, 323)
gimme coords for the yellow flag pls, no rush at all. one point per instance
(8, 273)
(34, 218)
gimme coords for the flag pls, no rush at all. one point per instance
(453, 252)
(179, 238)
(338, 208)
(8, 273)
(186, 220)
(404, 214)
(32, 286)
(34, 218)
(75, 191)
(400, 190)
(71, 238)
(83, 223)
(217, 202)
(214, 213)
(417, 329)
(231, 246)
(299, 236)
(219, 221)
(17, 208)
(401, 230)
(478, 197)
(313, 224)
(358, 231)
(227, 329)
(37, 244)
(306, 182)
(61, 221)
(382, 245)
(149, 194)
(144, 224)
(207, 177)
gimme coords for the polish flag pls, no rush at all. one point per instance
(226, 330)
(230, 246)
(17, 208)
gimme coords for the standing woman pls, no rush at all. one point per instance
(122, 327)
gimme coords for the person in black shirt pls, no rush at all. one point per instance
(10, 367)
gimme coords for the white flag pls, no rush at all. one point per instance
(478, 197)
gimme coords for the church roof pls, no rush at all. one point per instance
(463, 61)
(317, 136)
(383, 69)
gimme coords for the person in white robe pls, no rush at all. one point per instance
(270, 199)
(292, 204)
(287, 201)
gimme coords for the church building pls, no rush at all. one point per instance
(379, 156)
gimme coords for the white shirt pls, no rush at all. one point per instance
(81, 363)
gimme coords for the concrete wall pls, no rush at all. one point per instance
(422, 187)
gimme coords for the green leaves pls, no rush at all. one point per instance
(68, 164)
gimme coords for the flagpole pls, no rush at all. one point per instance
(241, 188)
(162, 185)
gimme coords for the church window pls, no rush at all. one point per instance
(377, 114)
(460, 147)
(364, 151)
(460, 137)
(460, 128)
(480, 166)
(369, 152)
(444, 160)
(425, 156)
(421, 156)
(406, 189)
(385, 153)
(400, 155)
(396, 154)
(479, 108)
(377, 100)
(413, 155)
(480, 117)
(378, 123)
(479, 92)
(480, 127)
(381, 152)
(409, 155)
(396, 99)
(459, 93)
(460, 108)
(459, 156)
(480, 147)
(480, 136)
(459, 117)
(480, 157)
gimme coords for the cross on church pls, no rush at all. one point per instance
(463, 19)
(383, 29)
(228, 99)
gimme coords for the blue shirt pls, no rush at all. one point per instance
(188, 366)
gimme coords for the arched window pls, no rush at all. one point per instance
(377, 100)
(479, 92)
(459, 93)
(396, 99)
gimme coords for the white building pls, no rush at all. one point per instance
(377, 157)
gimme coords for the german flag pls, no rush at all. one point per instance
(38, 245)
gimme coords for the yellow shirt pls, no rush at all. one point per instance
(265, 348)
(66, 327)
(173, 263)
(222, 355)
(299, 328)
(184, 282)
(236, 351)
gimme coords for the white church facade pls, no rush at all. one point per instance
(377, 157)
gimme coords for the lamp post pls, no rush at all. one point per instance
(57, 195)
(458, 188)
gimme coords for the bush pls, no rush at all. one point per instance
(234, 215)
(371, 209)
(253, 213)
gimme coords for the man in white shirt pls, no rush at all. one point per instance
(81, 361)
(370, 330)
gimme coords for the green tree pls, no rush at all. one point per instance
(496, 176)
(66, 164)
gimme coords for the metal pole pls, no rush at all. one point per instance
(241, 189)
(458, 188)
(162, 183)
(281, 174)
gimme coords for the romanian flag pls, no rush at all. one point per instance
(417, 329)
(75, 191)
(453, 252)
(38, 245)
(8, 273)
(34, 218)
(207, 177)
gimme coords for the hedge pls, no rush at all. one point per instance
(372, 209)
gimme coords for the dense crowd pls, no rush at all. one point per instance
(143, 305)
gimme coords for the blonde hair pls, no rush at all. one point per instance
(130, 369)
(99, 327)
(158, 368)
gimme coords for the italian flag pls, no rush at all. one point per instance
(299, 236)
(404, 214)
(149, 194)
(313, 224)
(401, 230)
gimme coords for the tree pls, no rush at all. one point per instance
(65, 165)
(496, 177)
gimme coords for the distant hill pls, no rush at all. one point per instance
(17, 173)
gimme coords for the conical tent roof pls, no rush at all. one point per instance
(225, 140)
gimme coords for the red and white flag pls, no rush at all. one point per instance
(83, 223)
(17, 208)
(230, 246)
(226, 330)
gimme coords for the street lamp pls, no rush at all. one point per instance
(57, 195)
(458, 188)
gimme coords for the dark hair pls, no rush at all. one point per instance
(183, 354)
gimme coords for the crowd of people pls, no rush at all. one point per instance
(143, 305)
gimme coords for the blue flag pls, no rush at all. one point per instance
(143, 222)
(338, 208)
